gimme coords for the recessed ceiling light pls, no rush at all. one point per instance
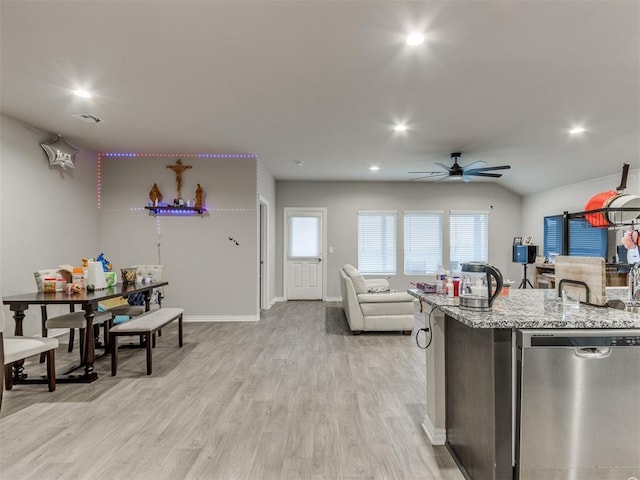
(374, 168)
(578, 130)
(415, 39)
(400, 127)
(82, 93)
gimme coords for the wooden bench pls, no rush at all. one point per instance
(146, 325)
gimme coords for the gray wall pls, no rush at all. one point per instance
(49, 215)
(210, 276)
(344, 199)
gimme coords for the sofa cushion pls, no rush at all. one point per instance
(359, 283)
(375, 284)
(385, 297)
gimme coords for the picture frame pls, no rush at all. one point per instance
(527, 240)
(517, 241)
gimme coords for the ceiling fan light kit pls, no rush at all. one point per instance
(474, 169)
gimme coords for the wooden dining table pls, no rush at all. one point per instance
(88, 301)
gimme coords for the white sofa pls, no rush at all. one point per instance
(368, 309)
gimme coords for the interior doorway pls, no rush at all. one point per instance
(263, 256)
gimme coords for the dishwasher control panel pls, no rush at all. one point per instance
(586, 341)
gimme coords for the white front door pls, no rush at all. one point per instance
(304, 248)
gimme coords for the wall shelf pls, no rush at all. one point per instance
(171, 211)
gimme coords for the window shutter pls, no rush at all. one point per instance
(552, 235)
(377, 242)
(422, 242)
(584, 240)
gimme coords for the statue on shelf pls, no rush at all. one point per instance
(155, 195)
(179, 168)
(198, 204)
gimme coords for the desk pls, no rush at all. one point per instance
(88, 301)
(545, 275)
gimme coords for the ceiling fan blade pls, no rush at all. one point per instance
(473, 165)
(481, 174)
(488, 169)
(443, 178)
(446, 167)
(430, 173)
(431, 176)
(466, 178)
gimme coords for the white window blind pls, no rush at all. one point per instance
(468, 237)
(377, 242)
(422, 242)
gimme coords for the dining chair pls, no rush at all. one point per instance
(17, 348)
(72, 320)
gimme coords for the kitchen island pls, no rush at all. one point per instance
(474, 374)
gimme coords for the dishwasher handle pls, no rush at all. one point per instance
(594, 353)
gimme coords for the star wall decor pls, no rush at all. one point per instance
(60, 152)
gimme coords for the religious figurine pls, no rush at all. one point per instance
(198, 204)
(155, 195)
(179, 168)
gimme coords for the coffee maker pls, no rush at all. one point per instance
(480, 284)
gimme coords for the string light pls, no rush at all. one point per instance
(99, 183)
(183, 155)
(163, 155)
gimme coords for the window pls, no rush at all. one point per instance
(552, 235)
(377, 242)
(584, 240)
(304, 236)
(468, 238)
(422, 242)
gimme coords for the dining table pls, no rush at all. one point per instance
(88, 301)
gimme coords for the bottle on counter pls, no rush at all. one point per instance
(456, 286)
(77, 277)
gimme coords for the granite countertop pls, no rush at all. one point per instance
(532, 308)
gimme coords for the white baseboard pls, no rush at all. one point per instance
(273, 302)
(221, 318)
(57, 332)
(437, 436)
(282, 299)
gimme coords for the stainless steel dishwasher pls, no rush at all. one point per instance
(578, 404)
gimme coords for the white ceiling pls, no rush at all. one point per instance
(323, 81)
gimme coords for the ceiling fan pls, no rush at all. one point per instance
(475, 169)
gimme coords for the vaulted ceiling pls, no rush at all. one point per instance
(314, 87)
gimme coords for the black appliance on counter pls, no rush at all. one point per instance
(525, 254)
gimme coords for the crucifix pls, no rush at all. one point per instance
(179, 168)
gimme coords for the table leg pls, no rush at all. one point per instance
(18, 317)
(89, 346)
(147, 300)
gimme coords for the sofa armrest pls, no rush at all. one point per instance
(385, 297)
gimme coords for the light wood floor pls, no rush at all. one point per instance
(294, 396)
